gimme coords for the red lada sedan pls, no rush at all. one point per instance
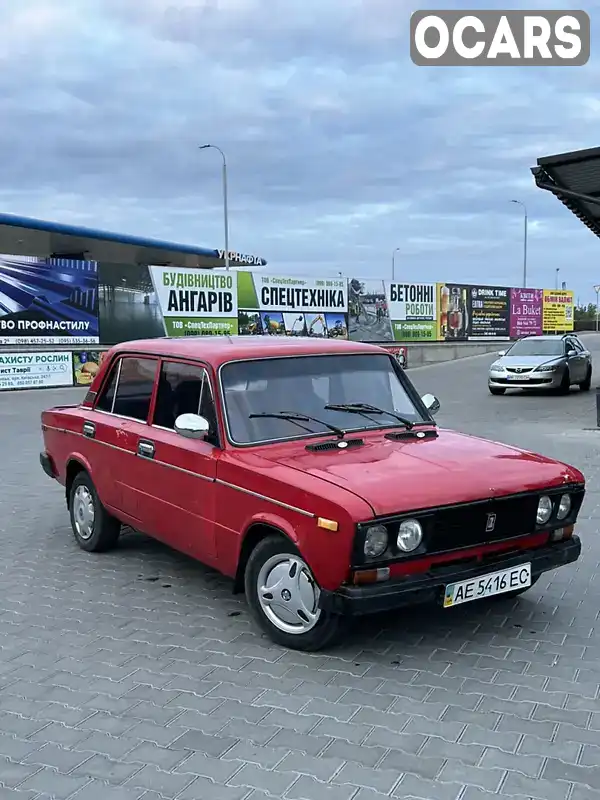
(312, 473)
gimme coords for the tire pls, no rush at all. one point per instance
(496, 390)
(276, 559)
(565, 384)
(586, 385)
(94, 529)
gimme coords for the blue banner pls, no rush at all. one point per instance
(48, 301)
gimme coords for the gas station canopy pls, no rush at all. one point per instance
(574, 178)
(24, 236)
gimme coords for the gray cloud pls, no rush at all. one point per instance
(339, 148)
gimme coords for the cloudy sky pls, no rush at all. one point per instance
(339, 148)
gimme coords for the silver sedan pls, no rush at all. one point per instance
(542, 362)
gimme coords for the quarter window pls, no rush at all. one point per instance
(107, 396)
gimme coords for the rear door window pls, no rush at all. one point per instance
(135, 385)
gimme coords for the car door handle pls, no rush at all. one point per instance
(89, 430)
(145, 448)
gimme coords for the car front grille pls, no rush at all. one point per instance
(485, 521)
(519, 370)
(528, 381)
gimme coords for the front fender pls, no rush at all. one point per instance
(274, 521)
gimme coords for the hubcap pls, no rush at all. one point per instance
(83, 512)
(288, 594)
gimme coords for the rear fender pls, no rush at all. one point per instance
(75, 460)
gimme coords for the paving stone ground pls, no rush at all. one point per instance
(137, 674)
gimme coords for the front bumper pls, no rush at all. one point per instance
(429, 588)
(538, 381)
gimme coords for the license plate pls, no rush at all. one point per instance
(506, 580)
(518, 377)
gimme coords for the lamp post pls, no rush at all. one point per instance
(597, 290)
(394, 263)
(225, 209)
(524, 207)
(557, 272)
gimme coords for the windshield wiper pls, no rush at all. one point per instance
(292, 416)
(365, 408)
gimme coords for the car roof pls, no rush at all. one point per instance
(217, 350)
(550, 336)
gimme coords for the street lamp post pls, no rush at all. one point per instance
(597, 290)
(519, 203)
(394, 263)
(557, 272)
(225, 209)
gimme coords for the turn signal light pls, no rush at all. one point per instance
(327, 524)
(371, 576)
(560, 534)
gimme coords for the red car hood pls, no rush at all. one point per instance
(394, 477)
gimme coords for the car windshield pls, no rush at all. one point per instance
(305, 385)
(537, 347)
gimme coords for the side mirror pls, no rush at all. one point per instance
(501, 352)
(431, 403)
(191, 426)
(571, 353)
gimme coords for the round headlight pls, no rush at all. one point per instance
(544, 511)
(564, 506)
(376, 541)
(410, 535)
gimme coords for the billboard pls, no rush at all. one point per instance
(413, 311)
(48, 301)
(29, 370)
(558, 310)
(195, 302)
(525, 312)
(137, 301)
(455, 311)
(490, 313)
(86, 364)
(154, 301)
(368, 311)
(292, 305)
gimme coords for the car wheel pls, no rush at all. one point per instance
(95, 530)
(283, 597)
(496, 390)
(565, 383)
(586, 385)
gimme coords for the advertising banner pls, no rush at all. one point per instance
(558, 308)
(292, 306)
(454, 301)
(48, 301)
(35, 370)
(196, 302)
(490, 313)
(86, 364)
(368, 313)
(525, 312)
(413, 310)
(144, 302)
